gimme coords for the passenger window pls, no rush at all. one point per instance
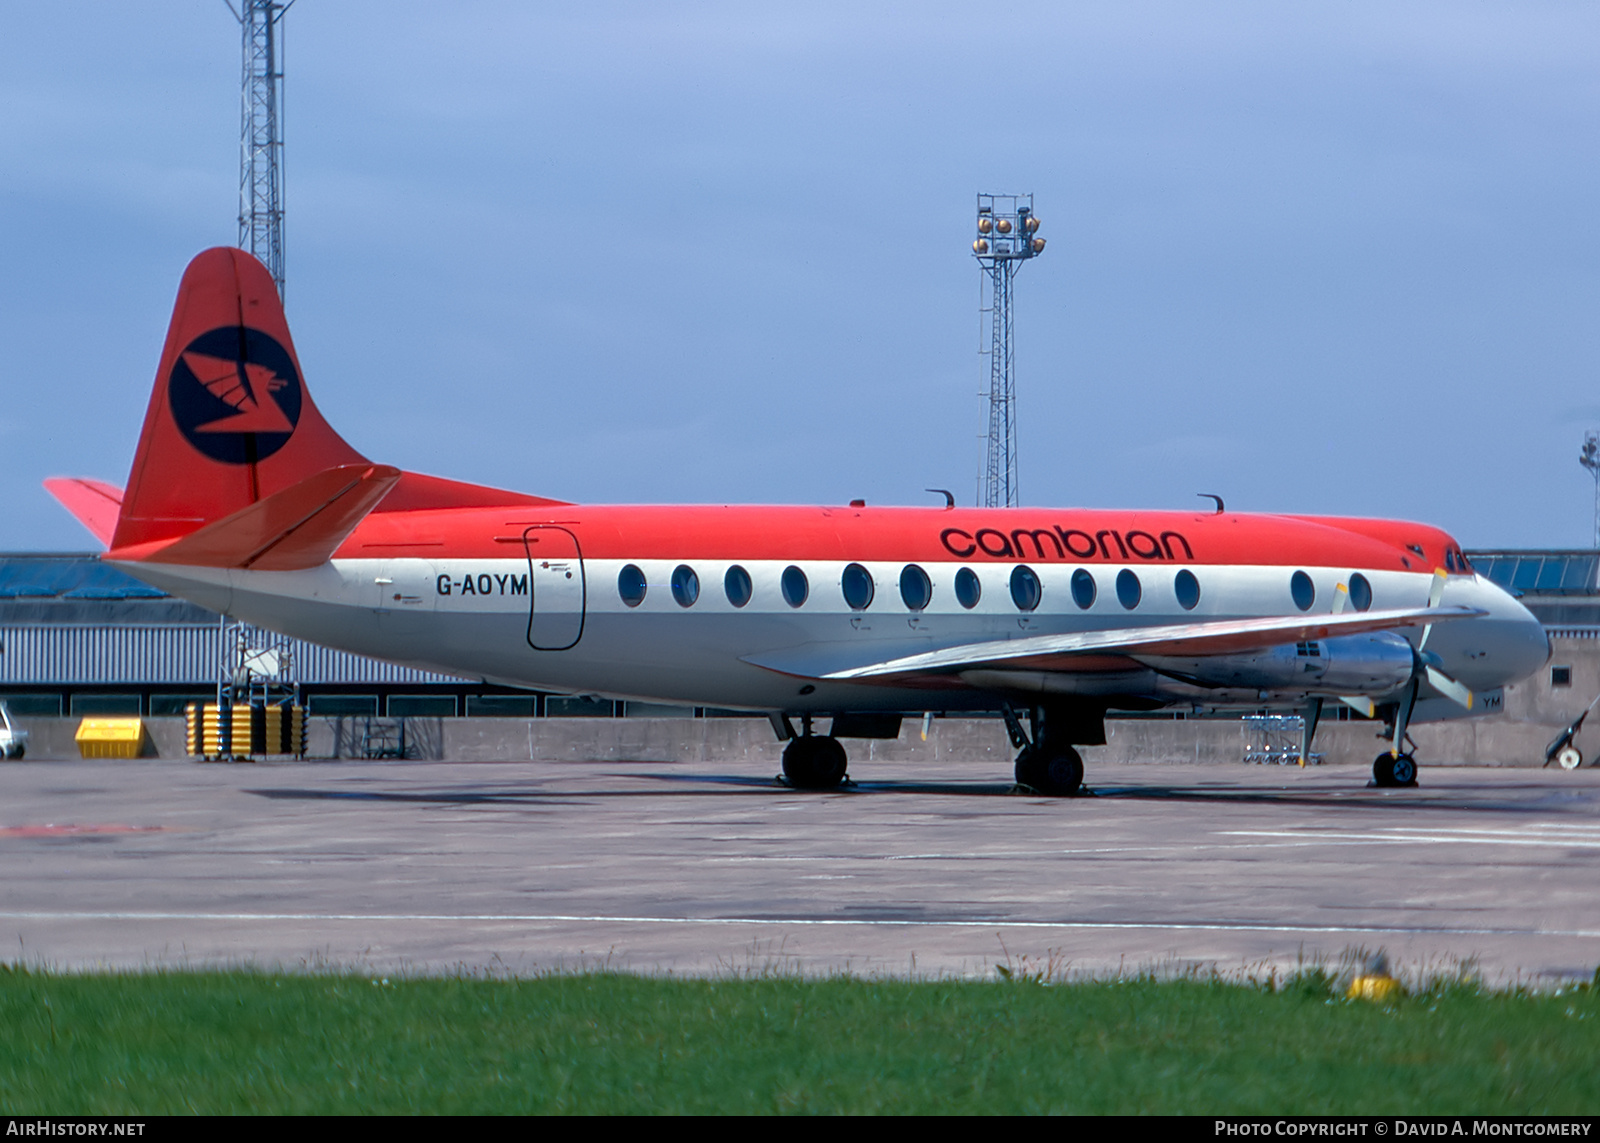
(915, 587)
(737, 584)
(795, 586)
(1305, 594)
(631, 585)
(1187, 589)
(1360, 592)
(968, 588)
(1083, 589)
(858, 587)
(1128, 589)
(1025, 589)
(685, 585)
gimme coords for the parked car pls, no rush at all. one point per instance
(13, 742)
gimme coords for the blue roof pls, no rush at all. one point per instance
(68, 577)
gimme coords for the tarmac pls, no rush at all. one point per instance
(933, 869)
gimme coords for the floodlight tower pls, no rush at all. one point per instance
(1007, 237)
(1590, 459)
(261, 132)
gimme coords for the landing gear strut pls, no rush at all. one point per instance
(814, 762)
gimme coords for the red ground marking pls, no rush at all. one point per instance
(53, 830)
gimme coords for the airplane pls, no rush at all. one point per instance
(243, 499)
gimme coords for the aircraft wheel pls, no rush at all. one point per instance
(1388, 770)
(813, 762)
(1057, 773)
(1569, 758)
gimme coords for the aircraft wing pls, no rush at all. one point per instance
(1070, 651)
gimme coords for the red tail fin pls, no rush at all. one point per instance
(230, 421)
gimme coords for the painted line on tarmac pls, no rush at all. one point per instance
(1430, 838)
(1023, 855)
(893, 922)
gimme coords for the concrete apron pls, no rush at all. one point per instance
(1496, 741)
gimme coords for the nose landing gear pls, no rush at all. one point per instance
(1397, 767)
(1391, 770)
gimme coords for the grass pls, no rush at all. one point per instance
(243, 1041)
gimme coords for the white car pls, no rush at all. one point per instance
(13, 742)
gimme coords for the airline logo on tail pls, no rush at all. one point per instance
(235, 395)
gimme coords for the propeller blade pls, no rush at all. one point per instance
(1448, 687)
(1361, 704)
(1435, 594)
(1436, 588)
(1341, 598)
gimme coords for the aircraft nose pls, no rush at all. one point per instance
(1524, 643)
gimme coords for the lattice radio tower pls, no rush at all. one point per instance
(1007, 237)
(261, 132)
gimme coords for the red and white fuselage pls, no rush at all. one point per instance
(547, 600)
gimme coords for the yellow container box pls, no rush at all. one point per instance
(111, 737)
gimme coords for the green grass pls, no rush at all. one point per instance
(259, 1042)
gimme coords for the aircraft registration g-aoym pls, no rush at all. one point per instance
(244, 500)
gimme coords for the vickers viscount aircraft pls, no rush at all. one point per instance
(243, 499)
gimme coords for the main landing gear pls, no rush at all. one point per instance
(814, 761)
(1047, 764)
(1055, 772)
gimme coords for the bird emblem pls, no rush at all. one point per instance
(246, 388)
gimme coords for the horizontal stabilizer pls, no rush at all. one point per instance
(1218, 637)
(94, 503)
(299, 527)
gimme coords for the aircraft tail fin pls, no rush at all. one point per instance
(297, 527)
(93, 503)
(230, 421)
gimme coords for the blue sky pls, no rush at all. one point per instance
(1338, 257)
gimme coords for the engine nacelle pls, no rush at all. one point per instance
(1370, 664)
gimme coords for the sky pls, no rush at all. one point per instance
(1317, 257)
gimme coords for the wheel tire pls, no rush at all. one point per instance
(1055, 773)
(1391, 771)
(1569, 758)
(18, 751)
(811, 762)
